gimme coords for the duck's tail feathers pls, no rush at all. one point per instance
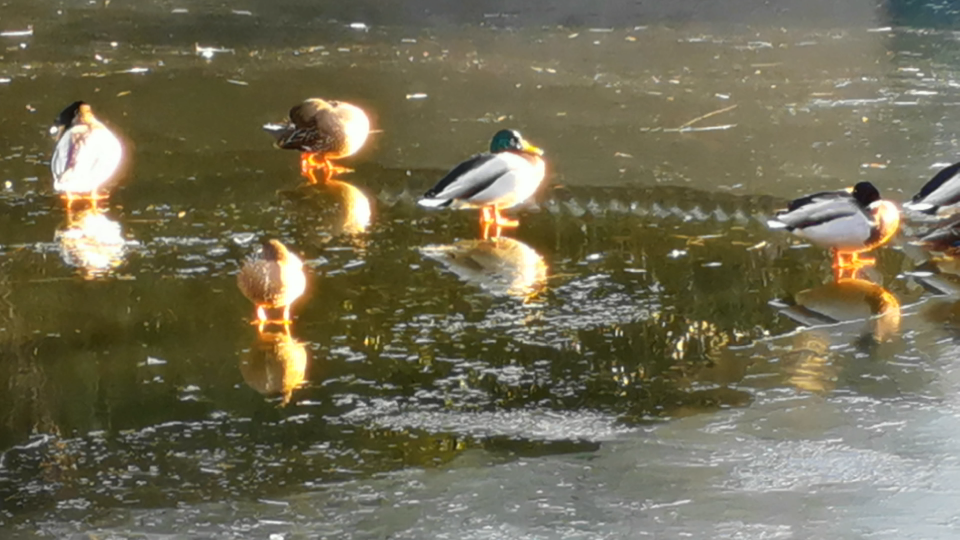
(775, 224)
(275, 128)
(922, 208)
(433, 203)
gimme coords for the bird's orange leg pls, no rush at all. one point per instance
(307, 164)
(333, 168)
(286, 317)
(486, 215)
(311, 175)
(853, 261)
(261, 320)
(95, 199)
(502, 221)
(849, 262)
(485, 230)
(857, 261)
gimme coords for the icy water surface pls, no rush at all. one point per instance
(640, 358)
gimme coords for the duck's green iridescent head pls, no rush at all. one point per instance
(508, 140)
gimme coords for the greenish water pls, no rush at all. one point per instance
(627, 363)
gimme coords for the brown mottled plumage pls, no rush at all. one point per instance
(272, 278)
(329, 129)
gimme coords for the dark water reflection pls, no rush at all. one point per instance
(629, 359)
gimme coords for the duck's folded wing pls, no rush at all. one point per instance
(470, 177)
(818, 197)
(62, 154)
(942, 190)
(86, 159)
(819, 212)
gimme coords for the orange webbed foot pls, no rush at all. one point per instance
(502, 221)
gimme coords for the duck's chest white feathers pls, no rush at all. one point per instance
(848, 232)
(517, 183)
(85, 157)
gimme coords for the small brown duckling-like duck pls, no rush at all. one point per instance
(272, 278)
(86, 156)
(322, 131)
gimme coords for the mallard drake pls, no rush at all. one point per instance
(941, 195)
(502, 178)
(272, 278)
(322, 131)
(848, 222)
(87, 153)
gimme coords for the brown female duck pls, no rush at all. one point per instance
(272, 278)
(322, 131)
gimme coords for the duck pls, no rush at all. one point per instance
(848, 222)
(272, 278)
(322, 131)
(502, 178)
(939, 196)
(86, 156)
(943, 238)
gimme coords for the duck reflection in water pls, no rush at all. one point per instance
(502, 266)
(92, 242)
(850, 303)
(340, 206)
(272, 278)
(275, 365)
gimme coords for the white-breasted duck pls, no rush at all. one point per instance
(86, 156)
(848, 222)
(502, 178)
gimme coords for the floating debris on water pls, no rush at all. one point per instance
(418, 95)
(238, 83)
(209, 52)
